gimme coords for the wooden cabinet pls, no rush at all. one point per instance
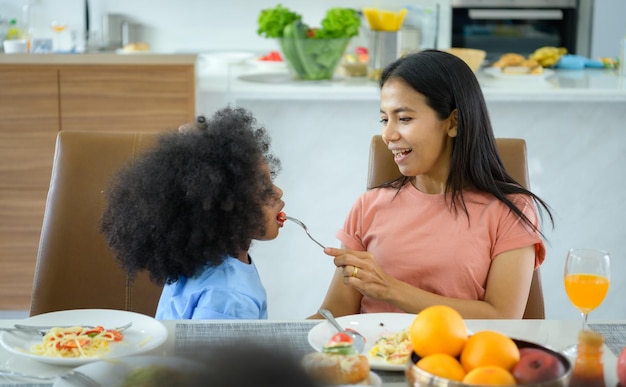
(38, 100)
(29, 107)
(108, 97)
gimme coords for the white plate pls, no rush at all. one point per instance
(262, 77)
(114, 372)
(375, 381)
(145, 334)
(268, 65)
(226, 57)
(370, 325)
(497, 73)
(283, 78)
(132, 52)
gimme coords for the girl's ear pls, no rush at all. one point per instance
(453, 124)
(197, 125)
(188, 127)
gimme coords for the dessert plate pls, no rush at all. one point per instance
(370, 325)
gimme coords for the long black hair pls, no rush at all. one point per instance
(448, 83)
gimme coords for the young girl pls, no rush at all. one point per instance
(187, 212)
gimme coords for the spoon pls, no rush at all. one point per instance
(357, 338)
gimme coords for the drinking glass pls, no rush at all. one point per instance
(59, 32)
(587, 273)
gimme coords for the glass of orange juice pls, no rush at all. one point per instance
(587, 277)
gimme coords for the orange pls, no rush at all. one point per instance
(438, 329)
(489, 376)
(489, 348)
(442, 365)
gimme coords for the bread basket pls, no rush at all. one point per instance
(473, 57)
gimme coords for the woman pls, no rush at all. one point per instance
(455, 229)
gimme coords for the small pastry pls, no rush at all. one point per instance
(338, 363)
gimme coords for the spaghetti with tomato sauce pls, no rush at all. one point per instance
(77, 342)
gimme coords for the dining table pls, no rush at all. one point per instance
(185, 335)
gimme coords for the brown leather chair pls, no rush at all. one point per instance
(75, 268)
(382, 168)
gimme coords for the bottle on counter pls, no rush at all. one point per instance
(428, 28)
(589, 366)
(14, 31)
(622, 57)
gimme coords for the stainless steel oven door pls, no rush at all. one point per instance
(522, 26)
(514, 3)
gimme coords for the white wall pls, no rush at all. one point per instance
(609, 21)
(185, 25)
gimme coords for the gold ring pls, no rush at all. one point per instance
(356, 270)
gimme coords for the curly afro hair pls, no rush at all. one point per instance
(193, 199)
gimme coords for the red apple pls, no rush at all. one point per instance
(621, 368)
(536, 366)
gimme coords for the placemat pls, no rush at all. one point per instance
(292, 336)
(614, 335)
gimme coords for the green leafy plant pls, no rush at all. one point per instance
(312, 53)
(272, 21)
(339, 23)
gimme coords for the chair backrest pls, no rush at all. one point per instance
(75, 267)
(382, 168)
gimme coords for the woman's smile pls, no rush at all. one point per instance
(401, 154)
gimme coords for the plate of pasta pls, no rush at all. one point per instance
(387, 343)
(82, 336)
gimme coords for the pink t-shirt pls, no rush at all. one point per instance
(417, 238)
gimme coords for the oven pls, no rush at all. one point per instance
(521, 26)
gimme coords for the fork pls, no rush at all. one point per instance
(74, 377)
(298, 222)
(43, 329)
(78, 378)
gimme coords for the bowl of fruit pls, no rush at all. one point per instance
(312, 53)
(444, 354)
(354, 64)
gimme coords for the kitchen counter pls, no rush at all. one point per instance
(245, 81)
(563, 85)
(99, 59)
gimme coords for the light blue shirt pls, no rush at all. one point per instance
(232, 290)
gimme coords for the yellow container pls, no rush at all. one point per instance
(383, 20)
